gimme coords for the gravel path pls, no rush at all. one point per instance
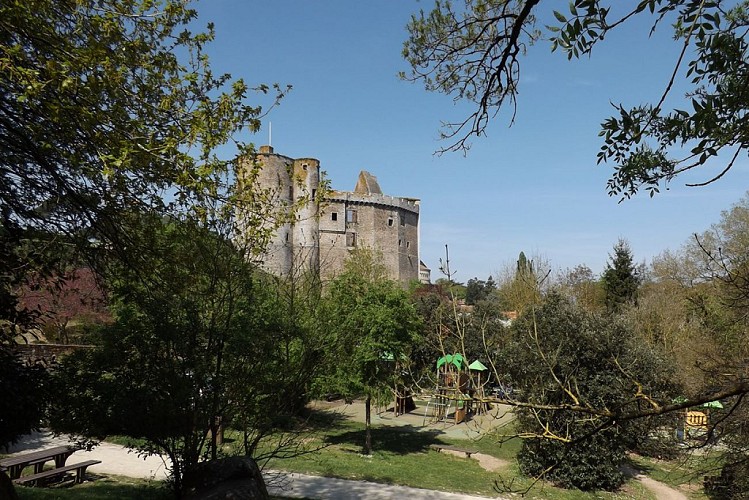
(115, 459)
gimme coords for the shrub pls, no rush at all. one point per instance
(562, 356)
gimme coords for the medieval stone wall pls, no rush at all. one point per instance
(322, 241)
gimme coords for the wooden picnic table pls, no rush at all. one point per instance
(15, 465)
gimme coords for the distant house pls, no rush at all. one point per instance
(510, 316)
(425, 274)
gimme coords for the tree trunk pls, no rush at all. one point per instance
(367, 425)
(214, 439)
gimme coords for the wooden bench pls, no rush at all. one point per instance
(440, 447)
(15, 464)
(80, 472)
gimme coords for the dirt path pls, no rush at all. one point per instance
(660, 490)
(487, 462)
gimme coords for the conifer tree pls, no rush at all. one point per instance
(620, 279)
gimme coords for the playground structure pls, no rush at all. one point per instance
(459, 388)
(403, 401)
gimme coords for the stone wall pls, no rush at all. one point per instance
(322, 241)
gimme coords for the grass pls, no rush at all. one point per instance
(686, 474)
(126, 441)
(99, 488)
(402, 456)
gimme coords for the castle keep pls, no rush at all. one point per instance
(324, 232)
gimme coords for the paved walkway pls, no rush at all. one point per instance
(326, 488)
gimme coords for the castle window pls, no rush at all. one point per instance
(350, 239)
(304, 166)
(408, 244)
(291, 191)
(314, 192)
(399, 243)
(334, 216)
(403, 219)
(287, 237)
(351, 216)
(390, 222)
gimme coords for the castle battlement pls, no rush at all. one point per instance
(384, 200)
(321, 240)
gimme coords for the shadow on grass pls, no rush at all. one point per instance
(400, 440)
(331, 419)
(99, 489)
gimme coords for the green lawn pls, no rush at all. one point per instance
(686, 474)
(100, 488)
(403, 456)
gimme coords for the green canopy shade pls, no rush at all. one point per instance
(456, 359)
(477, 365)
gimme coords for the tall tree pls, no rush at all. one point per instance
(66, 303)
(719, 299)
(375, 325)
(474, 53)
(197, 336)
(478, 290)
(583, 287)
(521, 284)
(161, 371)
(620, 278)
(105, 105)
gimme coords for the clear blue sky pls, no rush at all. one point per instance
(534, 187)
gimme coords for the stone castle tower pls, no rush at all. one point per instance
(323, 232)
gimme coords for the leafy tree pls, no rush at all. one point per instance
(719, 300)
(63, 302)
(453, 288)
(272, 367)
(694, 310)
(521, 285)
(25, 392)
(186, 322)
(483, 332)
(474, 53)
(581, 285)
(565, 358)
(375, 327)
(105, 105)
(620, 278)
(476, 332)
(478, 290)
(432, 305)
